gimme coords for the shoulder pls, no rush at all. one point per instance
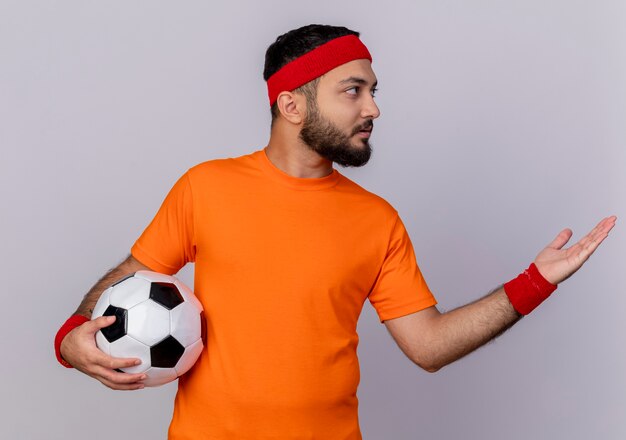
(220, 168)
(375, 205)
(223, 163)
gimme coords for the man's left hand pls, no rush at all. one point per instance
(557, 264)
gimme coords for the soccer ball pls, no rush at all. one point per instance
(158, 320)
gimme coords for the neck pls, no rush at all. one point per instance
(288, 153)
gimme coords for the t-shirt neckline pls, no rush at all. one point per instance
(299, 183)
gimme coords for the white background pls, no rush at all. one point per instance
(502, 123)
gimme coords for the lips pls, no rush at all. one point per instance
(365, 129)
(365, 133)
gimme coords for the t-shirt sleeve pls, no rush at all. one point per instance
(400, 288)
(168, 243)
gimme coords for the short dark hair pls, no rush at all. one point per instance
(296, 43)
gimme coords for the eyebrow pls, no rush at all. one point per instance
(357, 80)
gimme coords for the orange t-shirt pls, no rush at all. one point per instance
(283, 266)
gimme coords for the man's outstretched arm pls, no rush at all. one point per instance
(433, 339)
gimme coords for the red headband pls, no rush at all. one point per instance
(315, 63)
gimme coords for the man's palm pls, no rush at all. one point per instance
(557, 264)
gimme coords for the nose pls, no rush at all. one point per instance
(370, 109)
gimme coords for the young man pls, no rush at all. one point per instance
(286, 251)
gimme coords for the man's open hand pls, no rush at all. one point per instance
(557, 264)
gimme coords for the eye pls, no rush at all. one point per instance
(374, 91)
(353, 90)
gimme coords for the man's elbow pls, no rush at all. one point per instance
(428, 365)
(431, 368)
(427, 360)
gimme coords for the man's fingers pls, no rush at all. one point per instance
(116, 363)
(589, 241)
(592, 240)
(92, 361)
(121, 386)
(104, 368)
(120, 378)
(99, 323)
(607, 224)
(604, 226)
(101, 359)
(558, 264)
(561, 239)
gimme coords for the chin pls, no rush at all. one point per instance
(361, 144)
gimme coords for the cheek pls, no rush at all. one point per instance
(346, 117)
(343, 113)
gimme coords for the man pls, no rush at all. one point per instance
(286, 251)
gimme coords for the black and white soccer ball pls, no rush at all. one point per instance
(158, 320)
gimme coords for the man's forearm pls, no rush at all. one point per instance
(463, 330)
(91, 298)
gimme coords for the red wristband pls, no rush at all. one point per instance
(528, 290)
(73, 322)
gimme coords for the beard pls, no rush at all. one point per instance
(327, 140)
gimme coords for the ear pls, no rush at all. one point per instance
(291, 106)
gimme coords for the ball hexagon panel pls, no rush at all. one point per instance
(128, 347)
(166, 353)
(118, 329)
(166, 294)
(148, 322)
(131, 292)
(189, 357)
(159, 376)
(185, 324)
